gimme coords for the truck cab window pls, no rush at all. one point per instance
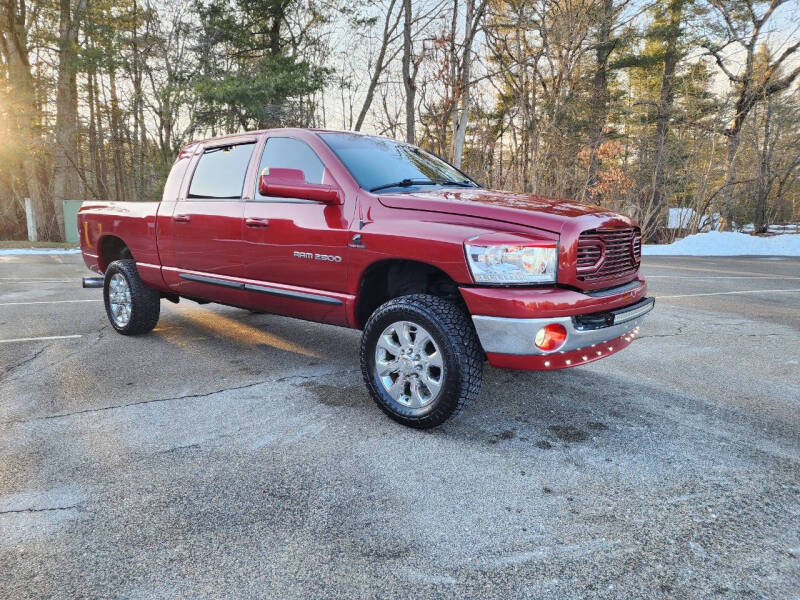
(221, 171)
(291, 153)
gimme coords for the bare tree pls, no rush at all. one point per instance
(391, 22)
(66, 178)
(600, 96)
(166, 97)
(16, 21)
(472, 21)
(742, 26)
(409, 71)
(670, 34)
(516, 32)
(773, 137)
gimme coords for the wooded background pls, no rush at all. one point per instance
(636, 105)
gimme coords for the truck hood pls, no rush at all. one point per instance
(549, 214)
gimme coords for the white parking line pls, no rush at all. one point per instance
(14, 280)
(48, 302)
(34, 279)
(41, 339)
(730, 293)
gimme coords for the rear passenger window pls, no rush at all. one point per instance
(172, 187)
(290, 153)
(221, 171)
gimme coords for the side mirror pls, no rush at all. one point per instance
(291, 183)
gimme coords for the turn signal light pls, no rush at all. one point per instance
(550, 337)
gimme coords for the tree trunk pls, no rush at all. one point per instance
(750, 87)
(96, 138)
(730, 176)
(66, 180)
(764, 183)
(27, 114)
(135, 72)
(276, 13)
(744, 105)
(471, 24)
(451, 112)
(663, 115)
(388, 31)
(599, 96)
(408, 79)
(120, 175)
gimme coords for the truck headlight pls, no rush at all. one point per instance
(524, 262)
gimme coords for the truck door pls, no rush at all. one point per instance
(299, 244)
(205, 228)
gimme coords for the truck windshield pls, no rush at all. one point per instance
(382, 164)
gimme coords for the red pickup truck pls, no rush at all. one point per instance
(379, 235)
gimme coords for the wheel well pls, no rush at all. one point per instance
(112, 248)
(389, 279)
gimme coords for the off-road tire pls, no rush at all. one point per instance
(455, 336)
(145, 302)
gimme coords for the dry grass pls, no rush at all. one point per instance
(27, 244)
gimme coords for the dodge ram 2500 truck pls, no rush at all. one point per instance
(379, 235)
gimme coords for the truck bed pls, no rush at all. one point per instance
(135, 222)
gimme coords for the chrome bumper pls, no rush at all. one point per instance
(502, 335)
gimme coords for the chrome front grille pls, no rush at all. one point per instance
(609, 254)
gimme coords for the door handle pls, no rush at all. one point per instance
(181, 218)
(250, 222)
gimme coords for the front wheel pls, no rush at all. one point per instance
(421, 359)
(131, 306)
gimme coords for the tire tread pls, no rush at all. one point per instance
(457, 327)
(146, 302)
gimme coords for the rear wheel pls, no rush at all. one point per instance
(421, 359)
(131, 306)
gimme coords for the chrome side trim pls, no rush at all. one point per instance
(211, 281)
(262, 289)
(140, 265)
(273, 291)
(503, 335)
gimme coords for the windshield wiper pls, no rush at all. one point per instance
(405, 183)
(410, 182)
(463, 183)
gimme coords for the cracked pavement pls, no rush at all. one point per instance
(231, 454)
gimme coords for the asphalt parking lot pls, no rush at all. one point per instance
(231, 454)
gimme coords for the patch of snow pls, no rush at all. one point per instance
(727, 243)
(749, 228)
(29, 251)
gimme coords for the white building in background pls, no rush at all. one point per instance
(683, 217)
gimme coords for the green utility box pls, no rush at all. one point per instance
(71, 233)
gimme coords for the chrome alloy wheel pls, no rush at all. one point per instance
(119, 298)
(409, 364)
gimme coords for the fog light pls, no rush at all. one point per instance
(550, 337)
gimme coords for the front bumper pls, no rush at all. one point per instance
(509, 342)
